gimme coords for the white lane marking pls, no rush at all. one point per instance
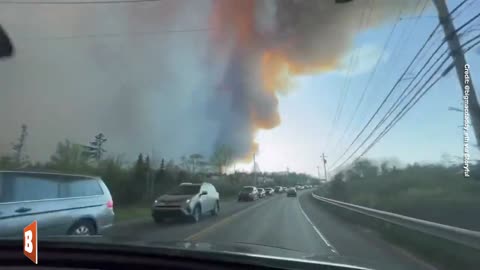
(317, 231)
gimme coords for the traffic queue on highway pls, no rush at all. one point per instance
(252, 193)
(194, 200)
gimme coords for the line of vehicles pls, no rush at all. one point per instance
(194, 200)
(82, 205)
(252, 193)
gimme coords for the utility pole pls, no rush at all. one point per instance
(288, 175)
(151, 174)
(460, 65)
(324, 160)
(254, 170)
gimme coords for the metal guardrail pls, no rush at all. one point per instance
(465, 237)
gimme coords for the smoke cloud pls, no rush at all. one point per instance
(175, 77)
(274, 41)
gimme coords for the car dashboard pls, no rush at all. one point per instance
(63, 255)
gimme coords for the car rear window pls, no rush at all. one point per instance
(79, 188)
(248, 189)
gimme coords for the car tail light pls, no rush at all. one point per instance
(110, 204)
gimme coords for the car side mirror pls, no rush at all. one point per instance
(6, 46)
(203, 193)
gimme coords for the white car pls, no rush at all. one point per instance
(187, 200)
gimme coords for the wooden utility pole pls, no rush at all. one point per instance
(460, 63)
(324, 160)
(254, 170)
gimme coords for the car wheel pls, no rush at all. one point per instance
(216, 209)
(196, 214)
(83, 227)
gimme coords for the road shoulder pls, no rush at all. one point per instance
(358, 242)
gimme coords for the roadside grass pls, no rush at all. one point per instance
(138, 211)
(131, 212)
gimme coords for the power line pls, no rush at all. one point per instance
(405, 109)
(341, 100)
(379, 124)
(402, 114)
(473, 45)
(374, 70)
(397, 48)
(346, 85)
(386, 98)
(462, 10)
(103, 2)
(404, 93)
(391, 91)
(421, 57)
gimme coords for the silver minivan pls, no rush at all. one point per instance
(60, 203)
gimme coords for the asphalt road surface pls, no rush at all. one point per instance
(294, 223)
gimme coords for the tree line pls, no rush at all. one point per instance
(435, 192)
(144, 179)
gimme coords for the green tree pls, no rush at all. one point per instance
(193, 163)
(7, 163)
(18, 148)
(384, 168)
(196, 161)
(222, 157)
(95, 150)
(365, 168)
(139, 178)
(185, 164)
(149, 178)
(68, 157)
(162, 165)
(117, 178)
(338, 189)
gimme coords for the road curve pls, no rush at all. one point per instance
(300, 224)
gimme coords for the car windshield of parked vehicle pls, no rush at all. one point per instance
(160, 122)
(185, 190)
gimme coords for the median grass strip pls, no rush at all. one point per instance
(138, 211)
(131, 212)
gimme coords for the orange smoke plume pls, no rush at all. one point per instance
(267, 43)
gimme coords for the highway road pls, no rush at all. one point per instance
(298, 224)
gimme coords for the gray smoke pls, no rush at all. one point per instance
(84, 69)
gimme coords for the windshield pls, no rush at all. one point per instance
(185, 190)
(160, 121)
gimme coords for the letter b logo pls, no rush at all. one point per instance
(30, 242)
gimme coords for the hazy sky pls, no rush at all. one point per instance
(119, 69)
(426, 133)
